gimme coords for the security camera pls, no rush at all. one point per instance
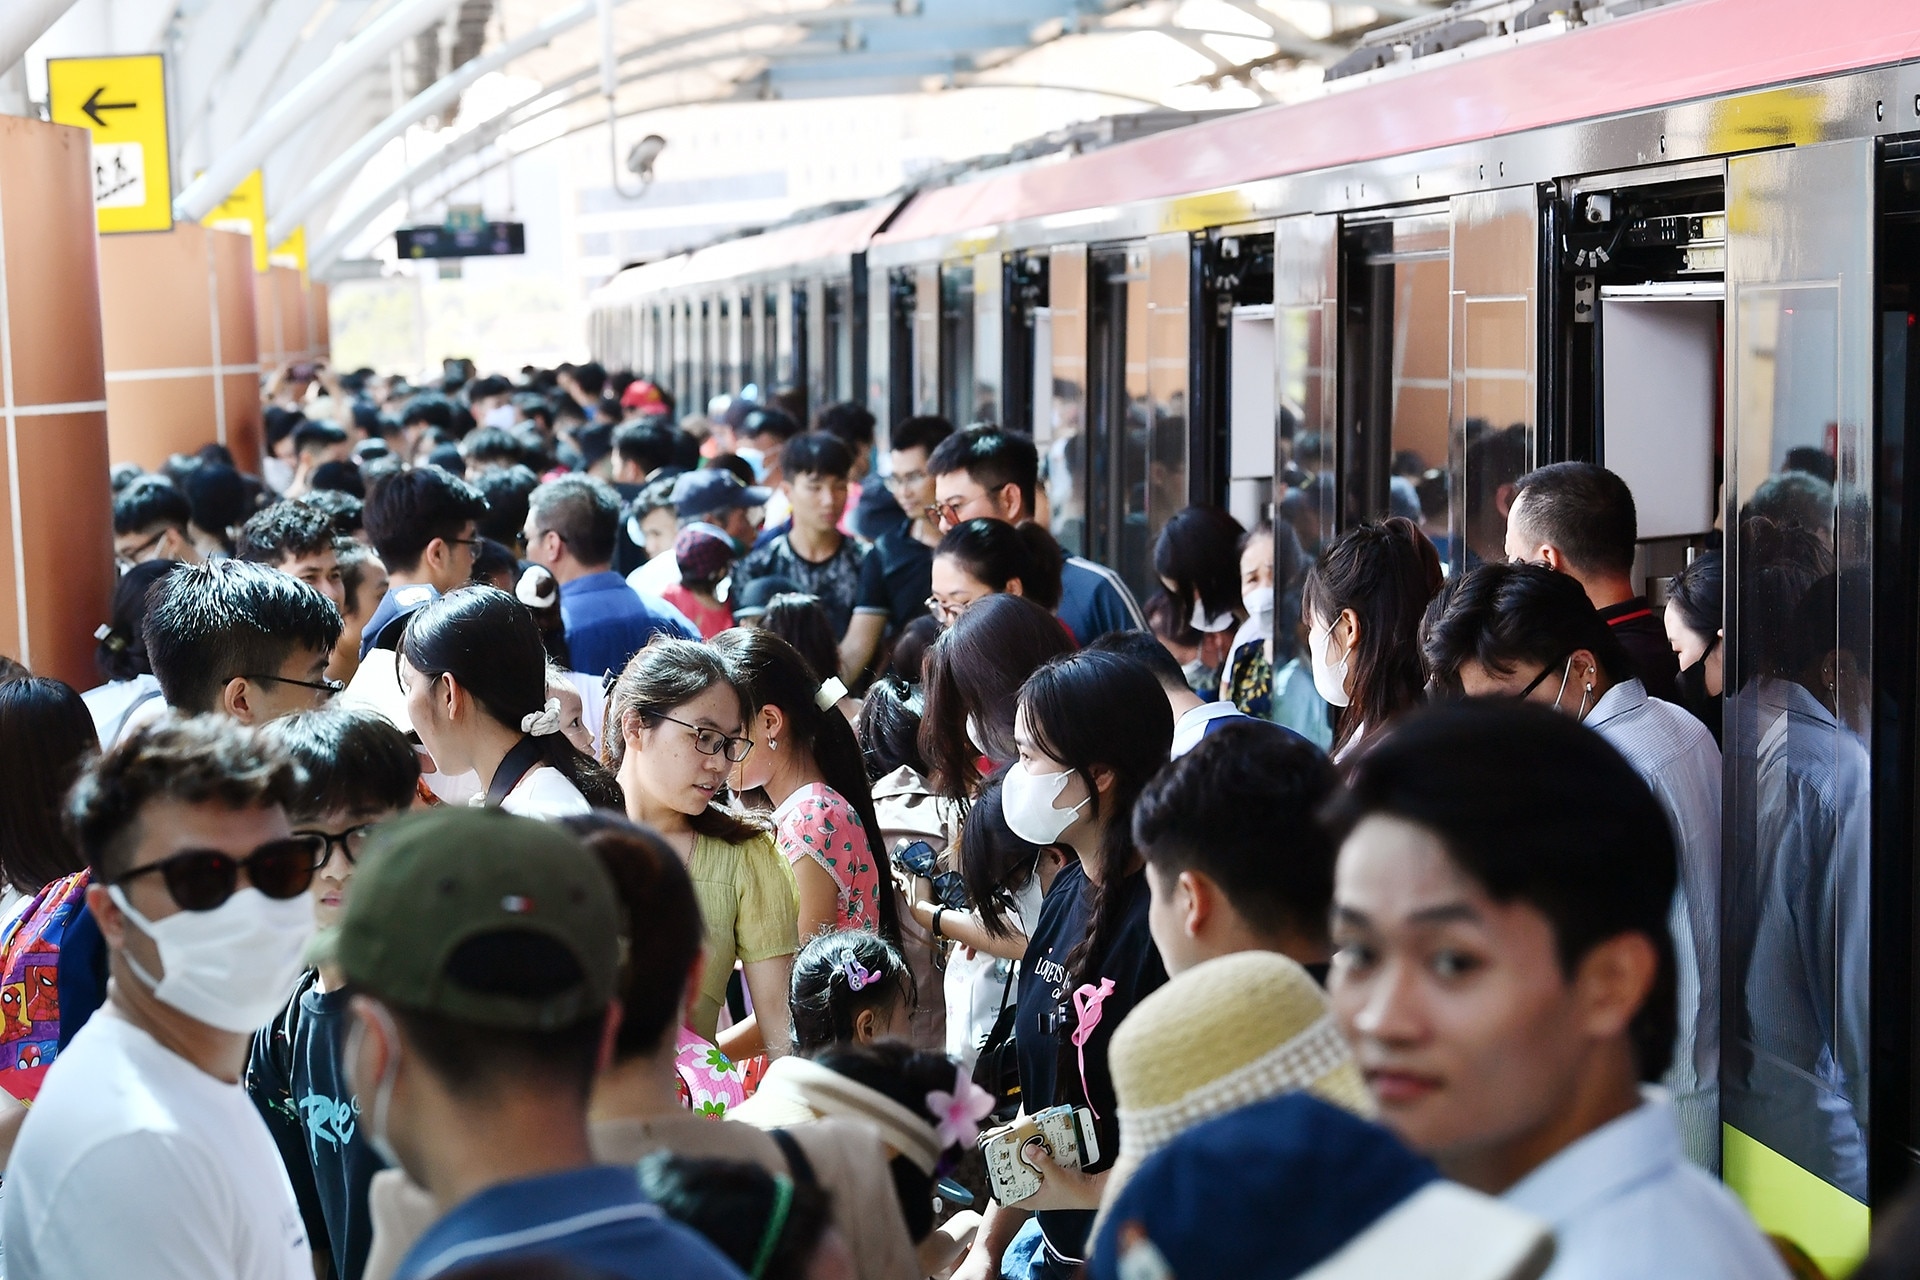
(640, 159)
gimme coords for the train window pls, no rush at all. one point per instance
(926, 339)
(958, 398)
(902, 298)
(837, 335)
(987, 326)
(770, 371)
(1061, 413)
(1395, 383)
(1231, 403)
(799, 324)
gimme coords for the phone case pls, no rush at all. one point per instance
(1012, 1179)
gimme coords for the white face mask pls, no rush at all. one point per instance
(976, 737)
(755, 459)
(1259, 605)
(1026, 801)
(1211, 623)
(232, 967)
(1330, 679)
(377, 1114)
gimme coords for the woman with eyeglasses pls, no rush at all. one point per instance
(807, 760)
(475, 675)
(676, 727)
(980, 558)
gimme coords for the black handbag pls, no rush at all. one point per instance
(997, 1069)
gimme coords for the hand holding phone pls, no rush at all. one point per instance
(1066, 1132)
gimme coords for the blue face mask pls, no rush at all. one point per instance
(753, 458)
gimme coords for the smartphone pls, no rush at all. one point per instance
(1069, 1137)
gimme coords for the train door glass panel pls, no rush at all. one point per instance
(1395, 445)
(1250, 412)
(798, 324)
(1494, 339)
(1170, 276)
(1061, 410)
(957, 392)
(926, 339)
(901, 296)
(989, 317)
(1306, 324)
(770, 374)
(1116, 387)
(813, 296)
(749, 342)
(837, 319)
(1795, 936)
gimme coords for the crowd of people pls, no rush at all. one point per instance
(530, 830)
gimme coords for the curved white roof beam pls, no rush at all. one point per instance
(24, 21)
(212, 36)
(313, 94)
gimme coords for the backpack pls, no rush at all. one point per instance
(30, 983)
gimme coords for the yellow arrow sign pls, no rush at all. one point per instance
(245, 209)
(123, 102)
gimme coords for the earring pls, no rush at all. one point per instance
(772, 744)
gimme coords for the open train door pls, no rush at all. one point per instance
(1800, 817)
(1306, 329)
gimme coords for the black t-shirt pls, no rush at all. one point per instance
(1044, 1021)
(896, 578)
(296, 1078)
(1643, 635)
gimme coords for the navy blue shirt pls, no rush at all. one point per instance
(396, 602)
(607, 622)
(295, 1078)
(896, 578)
(1094, 600)
(597, 1218)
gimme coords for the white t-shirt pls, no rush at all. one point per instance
(110, 704)
(1193, 725)
(135, 1162)
(544, 793)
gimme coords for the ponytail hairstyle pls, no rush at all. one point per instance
(769, 672)
(973, 673)
(122, 651)
(889, 728)
(1090, 709)
(489, 643)
(1386, 572)
(839, 975)
(658, 681)
(801, 620)
(995, 553)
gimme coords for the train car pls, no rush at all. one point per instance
(1684, 243)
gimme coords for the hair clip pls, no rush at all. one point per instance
(858, 976)
(831, 691)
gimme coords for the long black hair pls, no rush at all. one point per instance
(490, 644)
(769, 672)
(1698, 592)
(658, 681)
(994, 862)
(1198, 551)
(996, 553)
(1091, 709)
(46, 738)
(973, 672)
(1386, 572)
(122, 651)
(889, 728)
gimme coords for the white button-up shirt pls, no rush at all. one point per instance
(1625, 1205)
(1676, 756)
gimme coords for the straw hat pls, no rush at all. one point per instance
(1236, 1030)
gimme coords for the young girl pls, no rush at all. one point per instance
(475, 676)
(676, 727)
(1090, 735)
(849, 987)
(805, 757)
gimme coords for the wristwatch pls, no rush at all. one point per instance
(937, 913)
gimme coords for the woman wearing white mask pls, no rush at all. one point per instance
(1091, 728)
(972, 674)
(1197, 557)
(475, 675)
(1363, 604)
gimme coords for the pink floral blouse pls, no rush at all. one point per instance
(817, 822)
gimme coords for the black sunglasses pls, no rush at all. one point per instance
(328, 687)
(202, 879)
(352, 843)
(1541, 679)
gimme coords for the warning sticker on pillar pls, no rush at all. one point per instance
(245, 209)
(122, 102)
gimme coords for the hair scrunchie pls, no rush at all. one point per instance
(544, 721)
(831, 691)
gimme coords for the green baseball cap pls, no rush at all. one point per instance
(431, 883)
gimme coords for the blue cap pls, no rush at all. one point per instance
(1295, 1185)
(712, 490)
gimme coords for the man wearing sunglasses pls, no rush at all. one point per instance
(241, 640)
(361, 771)
(142, 1155)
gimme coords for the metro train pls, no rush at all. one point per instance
(1684, 243)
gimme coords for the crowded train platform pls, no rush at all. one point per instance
(1147, 640)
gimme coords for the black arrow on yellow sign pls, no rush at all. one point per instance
(93, 106)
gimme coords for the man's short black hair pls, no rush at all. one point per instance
(218, 496)
(491, 385)
(923, 432)
(1503, 615)
(407, 511)
(1535, 808)
(147, 504)
(345, 509)
(1242, 809)
(208, 623)
(993, 457)
(816, 454)
(849, 420)
(535, 406)
(288, 530)
(506, 490)
(591, 378)
(428, 409)
(204, 760)
(1583, 509)
(493, 447)
(1145, 648)
(337, 477)
(585, 512)
(647, 445)
(356, 762)
(777, 423)
(312, 437)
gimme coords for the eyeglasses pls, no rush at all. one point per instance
(203, 879)
(712, 742)
(947, 512)
(131, 556)
(327, 687)
(472, 544)
(352, 843)
(906, 480)
(946, 614)
(1540, 679)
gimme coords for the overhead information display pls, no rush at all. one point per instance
(122, 101)
(487, 240)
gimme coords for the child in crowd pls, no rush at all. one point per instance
(360, 771)
(705, 557)
(774, 1226)
(849, 987)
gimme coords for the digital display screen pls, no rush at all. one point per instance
(492, 239)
